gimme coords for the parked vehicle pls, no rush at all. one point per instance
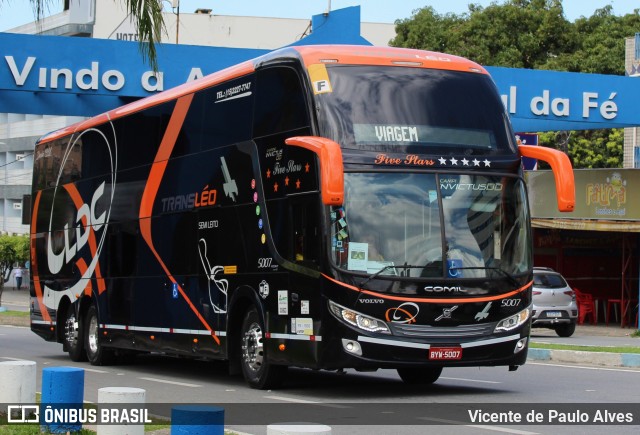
(554, 302)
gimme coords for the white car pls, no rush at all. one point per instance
(554, 302)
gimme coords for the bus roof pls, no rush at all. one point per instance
(391, 56)
(308, 55)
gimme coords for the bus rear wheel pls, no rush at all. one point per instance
(98, 355)
(257, 370)
(420, 376)
(74, 334)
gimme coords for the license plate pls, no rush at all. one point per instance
(445, 353)
(554, 314)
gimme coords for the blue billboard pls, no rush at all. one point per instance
(84, 77)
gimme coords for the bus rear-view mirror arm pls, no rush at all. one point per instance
(562, 173)
(331, 167)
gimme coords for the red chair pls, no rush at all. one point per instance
(586, 306)
(615, 303)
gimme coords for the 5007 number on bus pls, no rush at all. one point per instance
(264, 263)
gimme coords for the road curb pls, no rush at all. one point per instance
(581, 357)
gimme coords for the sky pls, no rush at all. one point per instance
(17, 12)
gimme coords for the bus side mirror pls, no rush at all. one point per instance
(562, 173)
(331, 168)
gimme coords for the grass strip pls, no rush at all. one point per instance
(10, 313)
(607, 349)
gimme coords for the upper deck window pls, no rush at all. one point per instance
(433, 111)
(280, 104)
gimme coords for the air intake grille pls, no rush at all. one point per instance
(427, 331)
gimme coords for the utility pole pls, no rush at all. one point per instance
(175, 4)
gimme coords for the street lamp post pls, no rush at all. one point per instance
(175, 5)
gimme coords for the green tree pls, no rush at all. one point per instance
(534, 34)
(518, 33)
(428, 30)
(14, 250)
(589, 148)
(146, 14)
(600, 43)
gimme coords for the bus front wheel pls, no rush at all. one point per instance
(98, 355)
(257, 370)
(420, 376)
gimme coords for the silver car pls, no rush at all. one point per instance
(554, 302)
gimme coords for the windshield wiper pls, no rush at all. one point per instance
(389, 266)
(511, 279)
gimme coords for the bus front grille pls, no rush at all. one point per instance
(428, 331)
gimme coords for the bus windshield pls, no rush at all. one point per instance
(386, 108)
(451, 226)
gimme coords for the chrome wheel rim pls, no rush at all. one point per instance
(252, 347)
(71, 330)
(92, 335)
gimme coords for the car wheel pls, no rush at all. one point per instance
(566, 329)
(74, 335)
(420, 376)
(257, 370)
(98, 355)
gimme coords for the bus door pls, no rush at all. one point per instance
(292, 201)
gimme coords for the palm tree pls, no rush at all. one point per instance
(146, 13)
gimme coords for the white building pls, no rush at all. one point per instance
(107, 19)
(631, 149)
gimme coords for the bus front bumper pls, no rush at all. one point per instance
(367, 351)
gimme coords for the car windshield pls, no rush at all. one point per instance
(547, 280)
(451, 226)
(392, 108)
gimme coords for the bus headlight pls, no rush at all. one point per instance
(512, 322)
(359, 320)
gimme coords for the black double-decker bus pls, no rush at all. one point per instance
(325, 207)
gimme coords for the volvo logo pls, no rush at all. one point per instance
(446, 313)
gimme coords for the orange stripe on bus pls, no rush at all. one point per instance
(77, 201)
(82, 267)
(432, 300)
(151, 190)
(34, 262)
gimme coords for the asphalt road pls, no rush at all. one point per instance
(375, 397)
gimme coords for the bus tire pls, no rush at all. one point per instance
(73, 334)
(97, 354)
(419, 376)
(256, 369)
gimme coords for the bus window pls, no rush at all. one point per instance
(294, 228)
(391, 108)
(485, 224)
(388, 220)
(305, 230)
(280, 104)
(221, 115)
